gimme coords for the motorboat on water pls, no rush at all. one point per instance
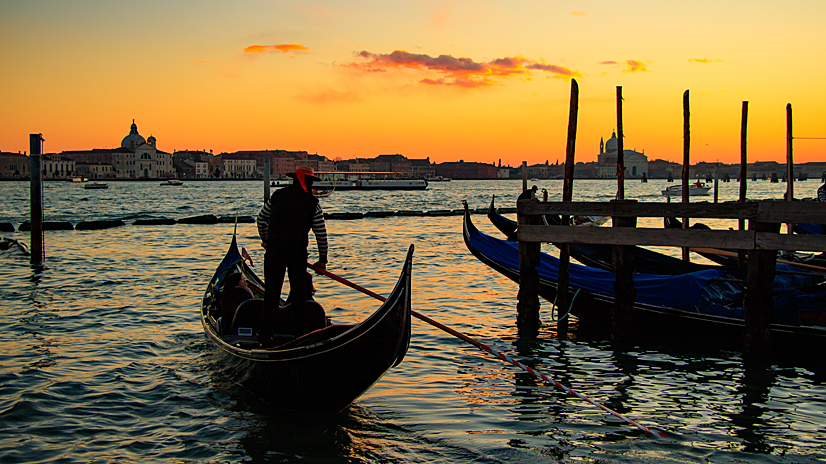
(96, 185)
(694, 189)
(172, 182)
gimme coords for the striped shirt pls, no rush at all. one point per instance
(821, 193)
(319, 228)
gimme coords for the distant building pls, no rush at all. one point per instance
(353, 165)
(463, 170)
(636, 164)
(94, 171)
(138, 158)
(236, 166)
(57, 166)
(14, 165)
(421, 168)
(391, 163)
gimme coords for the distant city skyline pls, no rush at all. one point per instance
(477, 81)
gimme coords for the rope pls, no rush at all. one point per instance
(553, 307)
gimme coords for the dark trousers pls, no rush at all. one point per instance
(277, 261)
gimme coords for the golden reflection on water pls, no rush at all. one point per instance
(116, 312)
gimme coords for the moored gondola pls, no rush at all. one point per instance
(809, 262)
(324, 370)
(699, 305)
(600, 256)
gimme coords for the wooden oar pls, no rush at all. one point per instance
(715, 251)
(490, 350)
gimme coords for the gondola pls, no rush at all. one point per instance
(810, 261)
(322, 371)
(600, 256)
(700, 304)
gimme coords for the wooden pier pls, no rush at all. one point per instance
(761, 241)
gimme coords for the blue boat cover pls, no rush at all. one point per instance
(708, 291)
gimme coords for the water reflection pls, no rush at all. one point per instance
(754, 388)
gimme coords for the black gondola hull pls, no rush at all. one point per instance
(322, 371)
(654, 322)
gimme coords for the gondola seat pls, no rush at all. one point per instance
(232, 298)
(248, 317)
(298, 323)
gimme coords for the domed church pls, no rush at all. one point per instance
(636, 164)
(139, 158)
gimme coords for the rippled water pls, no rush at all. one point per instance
(103, 357)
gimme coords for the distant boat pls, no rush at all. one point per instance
(78, 179)
(321, 193)
(697, 188)
(96, 185)
(340, 180)
(172, 182)
(438, 179)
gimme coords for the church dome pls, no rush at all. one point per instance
(612, 144)
(133, 139)
(151, 140)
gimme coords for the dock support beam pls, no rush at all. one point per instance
(527, 306)
(625, 294)
(759, 299)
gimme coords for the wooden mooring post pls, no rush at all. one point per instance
(563, 299)
(527, 306)
(36, 197)
(625, 294)
(744, 118)
(686, 164)
(759, 298)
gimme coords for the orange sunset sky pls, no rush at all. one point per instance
(449, 80)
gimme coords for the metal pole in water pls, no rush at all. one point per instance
(36, 197)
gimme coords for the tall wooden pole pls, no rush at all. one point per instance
(789, 161)
(524, 175)
(36, 197)
(622, 322)
(744, 165)
(620, 149)
(563, 298)
(527, 304)
(686, 162)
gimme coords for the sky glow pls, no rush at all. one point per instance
(455, 80)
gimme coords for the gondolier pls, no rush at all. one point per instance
(283, 225)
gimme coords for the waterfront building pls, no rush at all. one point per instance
(238, 167)
(14, 165)
(636, 163)
(392, 163)
(57, 166)
(463, 170)
(421, 168)
(138, 158)
(94, 171)
(353, 165)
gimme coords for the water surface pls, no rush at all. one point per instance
(103, 357)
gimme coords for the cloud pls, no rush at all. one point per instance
(704, 60)
(458, 72)
(579, 14)
(283, 48)
(631, 66)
